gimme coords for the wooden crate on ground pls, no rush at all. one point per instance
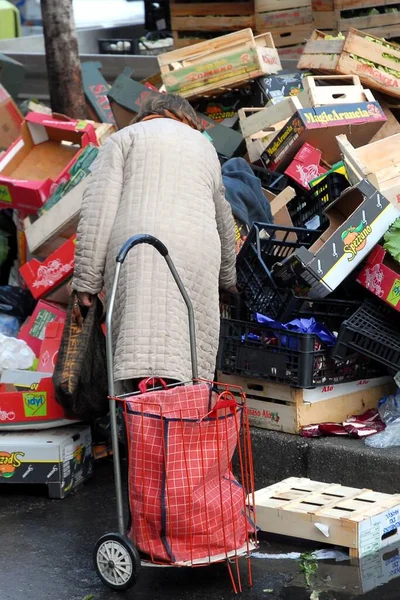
(223, 16)
(335, 15)
(270, 14)
(283, 408)
(213, 66)
(342, 56)
(361, 520)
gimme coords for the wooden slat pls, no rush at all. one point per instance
(211, 23)
(268, 20)
(280, 5)
(290, 36)
(203, 9)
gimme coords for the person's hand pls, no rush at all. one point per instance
(84, 298)
(233, 290)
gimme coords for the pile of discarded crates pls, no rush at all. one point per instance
(313, 336)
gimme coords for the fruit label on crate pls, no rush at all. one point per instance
(333, 119)
(212, 72)
(338, 254)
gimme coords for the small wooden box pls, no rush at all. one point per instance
(214, 65)
(338, 56)
(361, 520)
(283, 408)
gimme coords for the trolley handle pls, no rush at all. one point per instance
(143, 238)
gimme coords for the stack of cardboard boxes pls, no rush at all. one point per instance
(42, 178)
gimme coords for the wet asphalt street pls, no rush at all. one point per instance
(46, 554)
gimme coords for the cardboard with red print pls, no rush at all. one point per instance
(33, 331)
(319, 126)
(50, 347)
(358, 220)
(39, 159)
(49, 279)
(306, 166)
(381, 276)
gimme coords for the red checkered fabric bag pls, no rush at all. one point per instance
(185, 503)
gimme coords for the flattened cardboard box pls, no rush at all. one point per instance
(319, 127)
(126, 96)
(60, 458)
(96, 89)
(358, 220)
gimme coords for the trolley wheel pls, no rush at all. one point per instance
(116, 560)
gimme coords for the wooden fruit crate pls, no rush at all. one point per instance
(290, 41)
(211, 16)
(339, 56)
(332, 16)
(283, 408)
(53, 228)
(361, 520)
(270, 14)
(220, 63)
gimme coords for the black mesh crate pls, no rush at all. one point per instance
(252, 350)
(265, 246)
(373, 331)
(308, 210)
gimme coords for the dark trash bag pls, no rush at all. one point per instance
(80, 375)
(16, 302)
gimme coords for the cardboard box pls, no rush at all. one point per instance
(96, 89)
(319, 126)
(10, 120)
(306, 166)
(284, 84)
(27, 400)
(381, 276)
(358, 220)
(60, 458)
(127, 94)
(50, 347)
(33, 332)
(39, 159)
(224, 109)
(55, 227)
(48, 279)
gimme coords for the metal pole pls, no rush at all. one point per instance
(112, 403)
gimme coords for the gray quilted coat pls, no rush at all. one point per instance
(163, 178)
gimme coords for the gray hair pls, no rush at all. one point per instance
(162, 104)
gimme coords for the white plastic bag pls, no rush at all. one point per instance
(389, 411)
(385, 439)
(15, 354)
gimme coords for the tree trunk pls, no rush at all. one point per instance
(62, 57)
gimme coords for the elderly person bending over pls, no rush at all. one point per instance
(159, 176)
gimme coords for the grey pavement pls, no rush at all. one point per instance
(46, 549)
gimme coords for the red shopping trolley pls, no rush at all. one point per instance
(187, 509)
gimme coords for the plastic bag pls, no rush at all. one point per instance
(385, 439)
(9, 325)
(15, 354)
(389, 408)
(389, 411)
(16, 302)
